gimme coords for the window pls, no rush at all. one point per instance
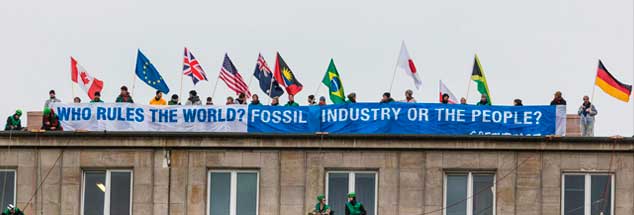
(469, 193)
(107, 192)
(340, 183)
(585, 194)
(233, 192)
(7, 187)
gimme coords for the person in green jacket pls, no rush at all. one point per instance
(255, 100)
(353, 207)
(291, 101)
(12, 210)
(97, 98)
(321, 208)
(13, 122)
(124, 96)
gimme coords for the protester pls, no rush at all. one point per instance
(209, 101)
(587, 111)
(12, 210)
(311, 100)
(445, 98)
(353, 207)
(255, 100)
(275, 101)
(158, 99)
(463, 101)
(321, 208)
(409, 96)
(174, 100)
(352, 98)
(241, 100)
(291, 101)
(322, 101)
(96, 98)
(50, 121)
(387, 98)
(483, 100)
(76, 100)
(13, 122)
(124, 96)
(517, 102)
(51, 99)
(193, 98)
(229, 101)
(558, 100)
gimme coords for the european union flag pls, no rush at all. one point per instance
(148, 74)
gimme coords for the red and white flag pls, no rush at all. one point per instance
(88, 83)
(443, 90)
(406, 64)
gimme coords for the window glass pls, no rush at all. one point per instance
(365, 190)
(483, 194)
(574, 195)
(120, 193)
(601, 195)
(220, 193)
(456, 193)
(94, 192)
(247, 193)
(7, 186)
(337, 191)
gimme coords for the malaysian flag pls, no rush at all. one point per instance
(229, 74)
(192, 68)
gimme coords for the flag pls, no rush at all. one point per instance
(611, 86)
(332, 80)
(229, 74)
(265, 77)
(148, 73)
(444, 89)
(285, 76)
(406, 64)
(477, 75)
(80, 76)
(192, 68)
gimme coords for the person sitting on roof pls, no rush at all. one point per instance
(13, 122)
(387, 98)
(353, 207)
(12, 210)
(96, 98)
(321, 208)
(50, 121)
(174, 100)
(291, 101)
(124, 96)
(158, 99)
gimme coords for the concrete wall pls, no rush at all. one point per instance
(410, 181)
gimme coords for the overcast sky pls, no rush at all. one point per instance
(528, 49)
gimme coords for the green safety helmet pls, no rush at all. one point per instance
(352, 195)
(47, 111)
(18, 112)
(321, 197)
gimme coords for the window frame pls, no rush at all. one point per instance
(587, 189)
(234, 189)
(15, 183)
(106, 206)
(469, 175)
(352, 182)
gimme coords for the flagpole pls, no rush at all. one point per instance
(180, 92)
(213, 92)
(317, 90)
(394, 74)
(72, 88)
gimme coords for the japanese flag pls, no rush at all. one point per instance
(80, 76)
(406, 64)
(444, 89)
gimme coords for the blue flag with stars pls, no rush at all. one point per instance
(148, 74)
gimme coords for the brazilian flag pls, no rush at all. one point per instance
(478, 76)
(333, 81)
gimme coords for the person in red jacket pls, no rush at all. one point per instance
(50, 121)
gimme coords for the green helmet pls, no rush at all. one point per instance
(18, 112)
(47, 111)
(321, 197)
(352, 195)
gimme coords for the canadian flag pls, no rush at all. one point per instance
(444, 89)
(406, 64)
(79, 75)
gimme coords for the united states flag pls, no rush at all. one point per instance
(192, 68)
(229, 74)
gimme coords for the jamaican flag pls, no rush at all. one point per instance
(332, 80)
(478, 76)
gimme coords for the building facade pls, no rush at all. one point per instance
(243, 174)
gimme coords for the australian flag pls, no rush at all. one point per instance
(268, 84)
(148, 73)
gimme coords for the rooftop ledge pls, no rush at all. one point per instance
(320, 141)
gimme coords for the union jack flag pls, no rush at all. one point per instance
(229, 74)
(192, 68)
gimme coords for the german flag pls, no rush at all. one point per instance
(611, 86)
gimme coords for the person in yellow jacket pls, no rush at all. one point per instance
(158, 99)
